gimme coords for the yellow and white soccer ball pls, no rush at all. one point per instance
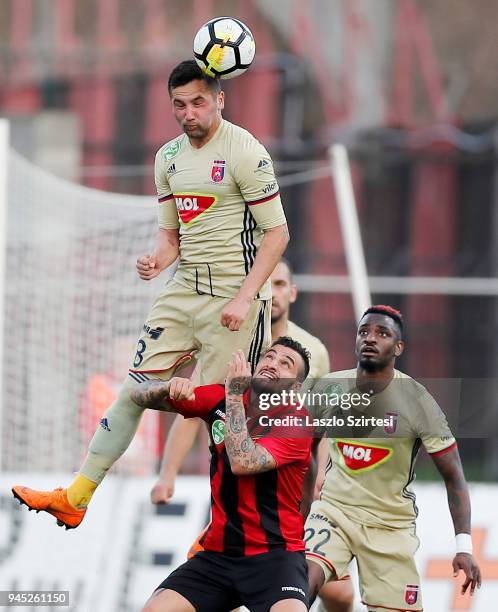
(224, 47)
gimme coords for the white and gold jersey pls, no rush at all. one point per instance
(319, 362)
(369, 478)
(222, 197)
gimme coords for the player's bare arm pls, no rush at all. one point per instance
(269, 253)
(154, 393)
(180, 440)
(322, 458)
(310, 480)
(246, 456)
(450, 468)
(165, 253)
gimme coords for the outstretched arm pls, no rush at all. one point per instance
(450, 468)
(245, 455)
(155, 393)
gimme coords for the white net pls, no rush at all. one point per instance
(73, 311)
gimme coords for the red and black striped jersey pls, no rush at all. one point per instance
(250, 514)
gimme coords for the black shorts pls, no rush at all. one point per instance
(214, 582)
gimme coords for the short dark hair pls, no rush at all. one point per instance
(286, 262)
(188, 71)
(387, 311)
(299, 348)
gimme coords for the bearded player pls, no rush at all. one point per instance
(220, 212)
(253, 551)
(367, 507)
(182, 434)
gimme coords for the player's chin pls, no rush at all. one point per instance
(194, 131)
(370, 362)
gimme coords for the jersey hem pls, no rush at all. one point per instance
(444, 450)
(262, 200)
(388, 608)
(183, 359)
(324, 561)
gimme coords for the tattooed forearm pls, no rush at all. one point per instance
(237, 386)
(237, 422)
(246, 457)
(151, 394)
(450, 468)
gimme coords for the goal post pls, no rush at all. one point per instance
(350, 229)
(4, 151)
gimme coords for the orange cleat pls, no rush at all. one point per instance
(54, 502)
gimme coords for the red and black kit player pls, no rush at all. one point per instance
(253, 548)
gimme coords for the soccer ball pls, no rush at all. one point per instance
(224, 47)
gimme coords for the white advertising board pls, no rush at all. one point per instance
(125, 547)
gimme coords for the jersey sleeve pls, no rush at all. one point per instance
(167, 213)
(206, 398)
(254, 174)
(287, 450)
(323, 361)
(433, 428)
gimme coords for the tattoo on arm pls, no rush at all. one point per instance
(242, 451)
(238, 386)
(450, 468)
(151, 394)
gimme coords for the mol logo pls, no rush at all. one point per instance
(359, 457)
(192, 205)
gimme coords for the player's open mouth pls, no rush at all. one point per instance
(369, 350)
(267, 374)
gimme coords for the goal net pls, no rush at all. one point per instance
(73, 310)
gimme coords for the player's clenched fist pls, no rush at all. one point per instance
(234, 313)
(162, 491)
(181, 389)
(147, 267)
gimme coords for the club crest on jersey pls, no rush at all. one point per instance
(171, 150)
(359, 457)
(393, 422)
(192, 205)
(218, 431)
(411, 594)
(218, 170)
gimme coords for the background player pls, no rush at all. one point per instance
(253, 548)
(367, 508)
(220, 211)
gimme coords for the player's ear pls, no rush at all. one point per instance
(293, 294)
(399, 348)
(296, 385)
(220, 101)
